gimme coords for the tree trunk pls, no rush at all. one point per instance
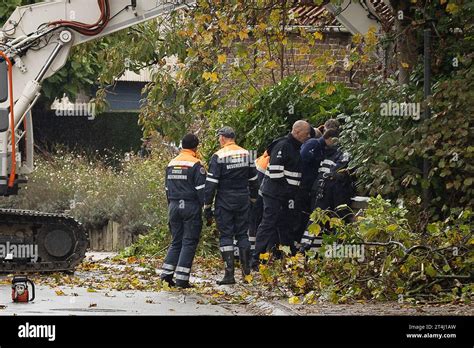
(406, 41)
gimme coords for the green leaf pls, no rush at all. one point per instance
(429, 270)
(314, 229)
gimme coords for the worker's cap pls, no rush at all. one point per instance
(190, 141)
(227, 132)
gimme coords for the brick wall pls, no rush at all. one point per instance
(299, 61)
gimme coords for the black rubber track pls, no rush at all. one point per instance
(37, 221)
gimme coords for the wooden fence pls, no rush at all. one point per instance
(110, 238)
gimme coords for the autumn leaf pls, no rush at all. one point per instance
(314, 229)
(357, 38)
(271, 64)
(222, 58)
(208, 76)
(60, 293)
(405, 65)
(91, 290)
(294, 300)
(318, 36)
(265, 256)
(392, 227)
(452, 8)
(261, 26)
(243, 34)
(330, 89)
(131, 259)
(223, 25)
(301, 283)
(248, 278)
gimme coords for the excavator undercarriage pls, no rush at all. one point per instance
(40, 242)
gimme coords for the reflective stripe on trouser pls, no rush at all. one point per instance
(275, 227)
(310, 241)
(185, 225)
(232, 225)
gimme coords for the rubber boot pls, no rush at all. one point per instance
(228, 257)
(245, 260)
(168, 279)
(183, 284)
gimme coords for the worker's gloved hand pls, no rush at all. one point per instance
(208, 215)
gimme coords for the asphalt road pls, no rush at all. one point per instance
(78, 301)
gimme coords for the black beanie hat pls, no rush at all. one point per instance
(190, 141)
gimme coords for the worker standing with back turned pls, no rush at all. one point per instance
(232, 178)
(279, 189)
(185, 182)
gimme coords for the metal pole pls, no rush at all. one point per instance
(427, 112)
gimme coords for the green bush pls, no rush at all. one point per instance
(388, 151)
(273, 112)
(395, 263)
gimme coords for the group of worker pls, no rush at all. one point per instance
(259, 204)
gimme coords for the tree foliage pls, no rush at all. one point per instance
(395, 263)
(274, 110)
(389, 150)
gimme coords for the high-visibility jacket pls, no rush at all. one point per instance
(185, 178)
(232, 177)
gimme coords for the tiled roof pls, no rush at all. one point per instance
(306, 13)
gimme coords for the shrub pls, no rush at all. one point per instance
(131, 194)
(395, 264)
(273, 112)
(388, 151)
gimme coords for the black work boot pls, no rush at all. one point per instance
(228, 257)
(245, 260)
(183, 284)
(168, 279)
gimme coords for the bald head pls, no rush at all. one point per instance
(301, 131)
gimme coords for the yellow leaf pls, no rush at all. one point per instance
(166, 286)
(405, 65)
(357, 38)
(284, 41)
(214, 77)
(391, 228)
(314, 229)
(452, 8)
(210, 76)
(243, 34)
(91, 290)
(265, 256)
(223, 25)
(318, 36)
(301, 283)
(60, 293)
(271, 64)
(222, 58)
(248, 278)
(262, 26)
(294, 300)
(330, 89)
